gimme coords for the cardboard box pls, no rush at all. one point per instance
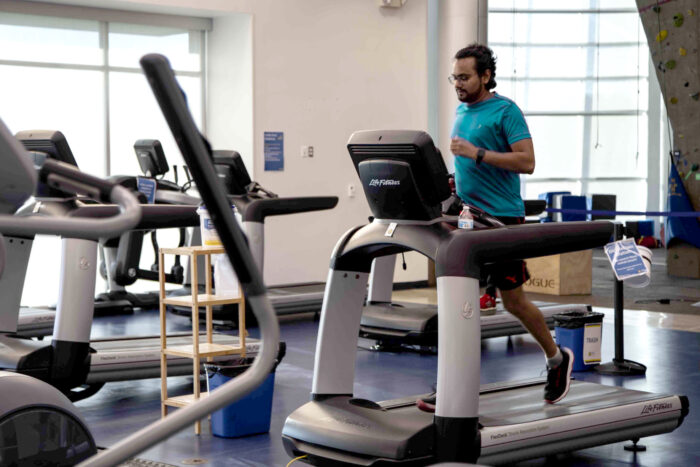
(683, 259)
(565, 274)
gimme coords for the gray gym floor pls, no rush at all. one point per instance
(671, 356)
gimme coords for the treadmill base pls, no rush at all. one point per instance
(516, 424)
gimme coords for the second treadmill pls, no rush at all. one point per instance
(255, 204)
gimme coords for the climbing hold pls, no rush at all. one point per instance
(671, 64)
(656, 9)
(661, 35)
(674, 100)
(682, 52)
(691, 12)
(678, 20)
(695, 96)
(686, 84)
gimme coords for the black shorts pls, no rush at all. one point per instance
(509, 275)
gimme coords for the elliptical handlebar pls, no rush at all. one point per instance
(198, 157)
(69, 178)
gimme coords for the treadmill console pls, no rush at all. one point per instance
(232, 172)
(402, 172)
(151, 157)
(47, 144)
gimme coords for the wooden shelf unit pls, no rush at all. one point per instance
(197, 350)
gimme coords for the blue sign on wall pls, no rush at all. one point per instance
(274, 150)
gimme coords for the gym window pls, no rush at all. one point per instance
(580, 71)
(81, 75)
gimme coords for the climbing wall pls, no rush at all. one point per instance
(672, 29)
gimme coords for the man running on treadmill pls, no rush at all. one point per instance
(492, 146)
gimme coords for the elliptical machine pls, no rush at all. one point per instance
(121, 256)
(38, 425)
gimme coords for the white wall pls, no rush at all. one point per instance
(324, 69)
(229, 120)
(459, 25)
(321, 70)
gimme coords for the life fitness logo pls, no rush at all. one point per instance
(467, 311)
(384, 182)
(654, 408)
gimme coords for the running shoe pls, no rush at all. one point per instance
(559, 378)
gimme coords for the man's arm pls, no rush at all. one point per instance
(520, 160)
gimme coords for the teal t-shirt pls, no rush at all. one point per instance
(493, 124)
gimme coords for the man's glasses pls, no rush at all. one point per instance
(454, 78)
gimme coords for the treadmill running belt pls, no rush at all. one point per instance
(312, 288)
(523, 405)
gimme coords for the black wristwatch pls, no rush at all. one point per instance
(480, 153)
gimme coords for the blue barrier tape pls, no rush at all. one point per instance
(625, 213)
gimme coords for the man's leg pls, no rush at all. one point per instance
(559, 362)
(517, 303)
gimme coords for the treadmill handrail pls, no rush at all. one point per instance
(154, 216)
(256, 210)
(170, 98)
(479, 247)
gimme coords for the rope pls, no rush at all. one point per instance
(663, 72)
(596, 212)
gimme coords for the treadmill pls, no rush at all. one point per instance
(255, 204)
(393, 324)
(35, 321)
(497, 423)
(70, 361)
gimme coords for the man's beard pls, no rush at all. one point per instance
(467, 97)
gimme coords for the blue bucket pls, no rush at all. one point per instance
(247, 416)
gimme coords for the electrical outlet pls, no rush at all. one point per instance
(307, 151)
(391, 3)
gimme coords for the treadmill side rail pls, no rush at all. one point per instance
(506, 444)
